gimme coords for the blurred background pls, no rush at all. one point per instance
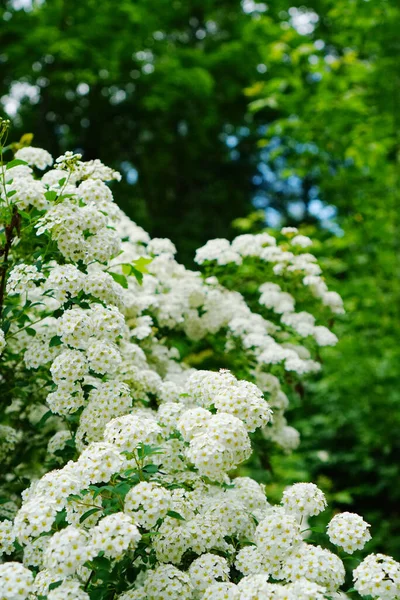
(227, 117)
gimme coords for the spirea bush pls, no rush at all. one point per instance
(119, 471)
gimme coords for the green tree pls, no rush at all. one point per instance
(331, 100)
(157, 85)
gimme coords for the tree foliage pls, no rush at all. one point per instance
(332, 110)
(160, 85)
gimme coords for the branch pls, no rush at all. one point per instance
(10, 229)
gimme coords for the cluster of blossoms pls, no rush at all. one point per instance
(143, 504)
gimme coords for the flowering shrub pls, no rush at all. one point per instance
(119, 458)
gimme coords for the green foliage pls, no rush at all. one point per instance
(159, 87)
(330, 103)
(333, 106)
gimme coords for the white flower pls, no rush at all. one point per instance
(250, 561)
(147, 502)
(70, 589)
(316, 564)
(99, 462)
(378, 576)
(15, 581)
(65, 281)
(67, 551)
(272, 297)
(218, 250)
(302, 241)
(206, 570)
(193, 422)
(222, 591)
(167, 582)
(277, 534)
(70, 366)
(35, 516)
(9, 438)
(103, 357)
(94, 169)
(75, 327)
(128, 431)
(222, 446)
(161, 246)
(289, 230)
(7, 537)
(302, 589)
(35, 157)
(22, 278)
(246, 402)
(324, 337)
(2, 341)
(349, 531)
(303, 500)
(252, 245)
(302, 322)
(254, 587)
(333, 301)
(114, 535)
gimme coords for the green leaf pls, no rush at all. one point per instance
(145, 450)
(74, 497)
(137, 274)
(55, 585)
(150, 468)
(88, 513)
(175, 515)
(122, 489)
(141, 264)
(121, 279)
(96, 490)
(129, 472)
(60, 517)
(137, 268)
(43, 420)
(30, 331)
(99, 490)
(51, 195)
(15, 163)
(101, 563)
(55, 341)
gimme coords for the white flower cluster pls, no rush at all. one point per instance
(378, 576)
(303, 500)
(22, 278)
(149, 508)
(15, 581)
(35, 157)
(349, 531)
(114, 535)
(147, 503)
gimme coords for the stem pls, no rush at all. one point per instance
(88, 581)
(27, 326)
(9, 233)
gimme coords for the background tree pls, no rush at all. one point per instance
(158, 85)
(331, 102)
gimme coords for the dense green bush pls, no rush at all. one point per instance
(119, 476)
(166, 99)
